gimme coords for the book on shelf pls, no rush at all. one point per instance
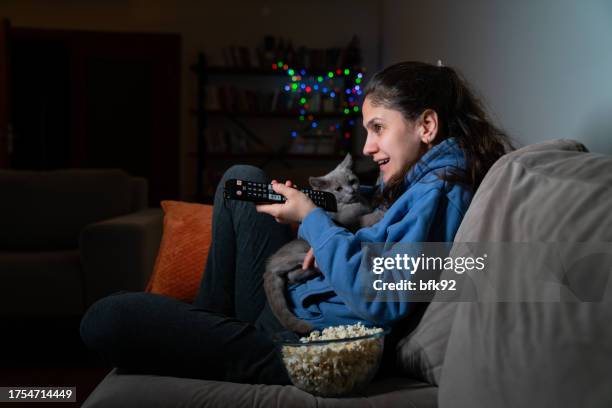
(313, 144)
(230, 98)
(245, 56)
(223, 97)
(330, 105)
(315, 102)
(216, 141)
(228, 141)
(275, 98)
(212, 98)
(273, 49)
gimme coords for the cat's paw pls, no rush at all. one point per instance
(370, 219)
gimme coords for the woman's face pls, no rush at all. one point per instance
(393, 142)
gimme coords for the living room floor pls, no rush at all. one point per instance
(48, 352)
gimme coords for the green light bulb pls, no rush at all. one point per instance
(291, 72)
(356, 108)
(330, 74)
(302, 100)
(346, 111)
(294, 86)
(320, 78)
(346, 71)
(302, 118)
(280, 64)
(358, 81)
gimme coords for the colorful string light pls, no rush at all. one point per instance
(309, 85)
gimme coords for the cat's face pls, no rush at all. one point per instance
(341, 182)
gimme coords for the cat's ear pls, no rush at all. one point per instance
(347, 162)
(318, 183)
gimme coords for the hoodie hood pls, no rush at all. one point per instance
(443, 157)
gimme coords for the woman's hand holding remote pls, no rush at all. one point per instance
(295, 209)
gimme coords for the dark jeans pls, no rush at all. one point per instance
(225, 334)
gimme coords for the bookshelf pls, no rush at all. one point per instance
(234, 104)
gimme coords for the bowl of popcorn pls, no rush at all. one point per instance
(333, 362)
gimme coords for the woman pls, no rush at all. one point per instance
(433, 143)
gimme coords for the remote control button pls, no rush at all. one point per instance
(238, 193)
(274, 196)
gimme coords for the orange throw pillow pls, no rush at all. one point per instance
(183, 251)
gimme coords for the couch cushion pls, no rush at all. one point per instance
(46, 210)
(40, 283)
(421, 353)
(536, 353)
(137, 390)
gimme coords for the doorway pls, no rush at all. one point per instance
(84, 99)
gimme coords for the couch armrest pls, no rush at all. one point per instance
(119, 253)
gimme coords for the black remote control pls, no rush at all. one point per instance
(263, 193)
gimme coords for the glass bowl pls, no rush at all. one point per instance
(331, 368)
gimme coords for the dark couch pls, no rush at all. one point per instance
(70, 237)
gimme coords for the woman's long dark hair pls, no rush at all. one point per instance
(413, 87)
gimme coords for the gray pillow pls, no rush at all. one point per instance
(421, 354)
(537, 353)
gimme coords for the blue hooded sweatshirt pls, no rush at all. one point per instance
(429, 210)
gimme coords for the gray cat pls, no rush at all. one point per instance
(285, 266)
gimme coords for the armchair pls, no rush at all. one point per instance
(69, 237)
